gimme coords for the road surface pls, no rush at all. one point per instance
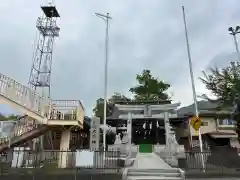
(213, 179)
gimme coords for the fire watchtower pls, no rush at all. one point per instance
(40, 75)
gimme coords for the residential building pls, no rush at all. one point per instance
(217, 129)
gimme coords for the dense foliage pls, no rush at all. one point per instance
(148, 88)
(223, 83)
(99, 108)
(7, 118)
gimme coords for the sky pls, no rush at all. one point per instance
(144, 34)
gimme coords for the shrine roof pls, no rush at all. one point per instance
(171, 119)
(116, 121)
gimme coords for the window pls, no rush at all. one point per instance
(225, 121)
(141, 112)
(204, 123)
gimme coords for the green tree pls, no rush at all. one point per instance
(150, 88)
(2, 117)
(118, 97)
(6, 118)
(99, 107)
(223, 83)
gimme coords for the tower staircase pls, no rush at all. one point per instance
(40, 113)
(22, 131)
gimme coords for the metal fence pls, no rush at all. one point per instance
(210, 161)
(22, 161)
(62, 175)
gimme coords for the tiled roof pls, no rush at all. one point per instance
(204, 107)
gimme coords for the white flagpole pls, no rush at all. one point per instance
(193, 86)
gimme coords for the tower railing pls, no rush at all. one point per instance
(22, 95)
(66, 110)
(48, 26)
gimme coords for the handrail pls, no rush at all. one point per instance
(182, 173)
(22, 95)
(40, 105)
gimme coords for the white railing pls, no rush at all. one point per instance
(22, 95)
(66, 110)
(23, 126)
(18, 128)
(31, 100)
(4, 139)
(165, 153)
(7, 130)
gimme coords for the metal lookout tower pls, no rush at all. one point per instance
(40, 74)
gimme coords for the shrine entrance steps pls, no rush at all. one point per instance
(149, 166)
(150, 161)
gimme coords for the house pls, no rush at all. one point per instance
(218, 128)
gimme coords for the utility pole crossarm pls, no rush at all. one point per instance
(103, 16)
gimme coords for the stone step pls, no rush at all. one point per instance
(154, 174)
(153, 178)
(171, 170)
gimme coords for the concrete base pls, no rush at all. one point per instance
(64, 148)
(172, 161)
(154, 174)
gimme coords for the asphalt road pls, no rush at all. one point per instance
(213, 179)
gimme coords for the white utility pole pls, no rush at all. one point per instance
(193, 86)
(106, 19)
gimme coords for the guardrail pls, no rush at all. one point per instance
(18, 127)
(51, 160)
(22, 95)
(218, 161)
(66, 110)
(31, 100)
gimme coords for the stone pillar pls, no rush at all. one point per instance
(64, 148)
(95, 134)
(172, 146)
(167, 126)
(129, 133)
